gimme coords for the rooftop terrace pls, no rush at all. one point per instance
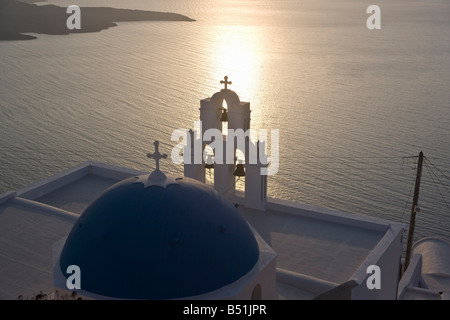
(317, 248)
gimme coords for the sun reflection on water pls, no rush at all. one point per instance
(238, 52)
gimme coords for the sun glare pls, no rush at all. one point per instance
(237, 49)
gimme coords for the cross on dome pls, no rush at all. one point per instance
(156, 155)
(157, 177)
(226, 82)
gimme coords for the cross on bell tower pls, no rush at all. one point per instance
(226, 82)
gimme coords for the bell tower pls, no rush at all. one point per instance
(227, 167)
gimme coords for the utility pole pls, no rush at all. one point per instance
(414, 210)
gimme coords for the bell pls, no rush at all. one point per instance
(239, 172)
(224, 116)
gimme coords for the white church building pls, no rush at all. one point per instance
(150, 235)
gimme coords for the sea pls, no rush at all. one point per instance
(354, 106)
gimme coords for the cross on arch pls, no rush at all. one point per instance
(156, 155)
(226, 82)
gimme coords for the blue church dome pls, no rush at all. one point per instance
(165, 240)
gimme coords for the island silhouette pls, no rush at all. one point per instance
(19, 17)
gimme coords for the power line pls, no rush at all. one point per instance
(435, 184)
(232, 185)
(439, 179)
(32, 148)
(437, 169)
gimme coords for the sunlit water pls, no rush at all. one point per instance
(349, 102)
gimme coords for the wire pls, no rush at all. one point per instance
(28, 148)
(232, 185)
(437, 168)
(438, 177)
(435, 184)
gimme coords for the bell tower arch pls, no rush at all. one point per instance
(237, 116)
